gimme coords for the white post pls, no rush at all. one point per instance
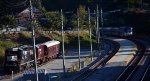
(12, 76)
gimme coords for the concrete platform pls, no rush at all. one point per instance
(126, 52)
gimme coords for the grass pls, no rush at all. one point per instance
(3, 45)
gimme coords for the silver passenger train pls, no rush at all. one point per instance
(116, 31)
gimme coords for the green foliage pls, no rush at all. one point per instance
(83, 21)
(83, 17)
(8, 21)
(54, 21)
(6, 44)
(134, 3)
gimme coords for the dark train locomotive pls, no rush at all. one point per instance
(22, 57)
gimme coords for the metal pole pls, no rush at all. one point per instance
(33, 38)
(97, 24)
(62, 33)
(90, 34)
(79, 39)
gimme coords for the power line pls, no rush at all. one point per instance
(11, 4)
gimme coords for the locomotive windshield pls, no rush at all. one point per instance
(11, 58)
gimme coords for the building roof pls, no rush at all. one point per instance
(51, 43)
(27, 10)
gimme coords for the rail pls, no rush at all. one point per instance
(131, 68)
(100, 63)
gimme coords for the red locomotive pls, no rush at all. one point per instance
(22, 57)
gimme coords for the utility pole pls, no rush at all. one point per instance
(97, 25)
(79, 38)
(33, 39)
(62, 33)
(91, 53)
(102, 23)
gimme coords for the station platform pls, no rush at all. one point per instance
(126, 52)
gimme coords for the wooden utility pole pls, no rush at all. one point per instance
(33, 39)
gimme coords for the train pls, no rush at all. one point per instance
(22, 57)
(116, 31)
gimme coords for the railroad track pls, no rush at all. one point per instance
(135, 63)
(99, 63)
(146, 73)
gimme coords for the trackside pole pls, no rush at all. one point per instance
(62, 33)
(78, 19)
(90, 35)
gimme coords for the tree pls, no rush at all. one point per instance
(53, 20)
(8, 21)
(83, 17)
(134, 3)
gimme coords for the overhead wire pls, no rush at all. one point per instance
(14, 4)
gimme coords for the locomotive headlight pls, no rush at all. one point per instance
(11, 58)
